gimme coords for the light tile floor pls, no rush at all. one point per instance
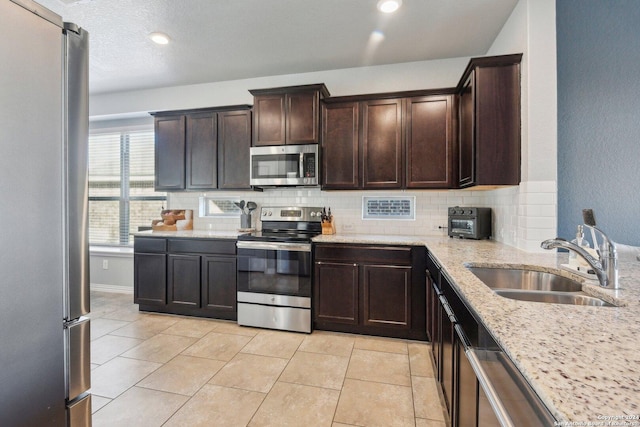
(165, 370)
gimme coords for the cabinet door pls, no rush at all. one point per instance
(446, 361)
(234, 143)
(466, 401)
(219, 293)
(436, 339)
(269, 120)
(302, 116)
(497, 125)
(386, 296)
(382, 143)
(150, 279)
(183, 280)
(466, 145)
(340, 146)
(431, 296)
(429, 142)
(336, 293)
(202, 151)
(169, 153)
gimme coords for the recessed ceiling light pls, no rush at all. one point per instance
(389, 6)
(160, 38)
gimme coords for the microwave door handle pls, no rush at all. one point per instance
(301, 173)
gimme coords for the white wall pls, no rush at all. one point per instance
(528, 214)
(350, 81)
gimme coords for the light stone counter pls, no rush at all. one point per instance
(191, 234)
(583, 361)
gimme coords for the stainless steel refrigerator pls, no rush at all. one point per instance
(44, 256)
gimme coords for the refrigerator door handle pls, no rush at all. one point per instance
(76, 176)
(77, 357)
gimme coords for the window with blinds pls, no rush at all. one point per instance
(121, 193)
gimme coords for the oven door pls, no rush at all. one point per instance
(275, 268)
(460, 226)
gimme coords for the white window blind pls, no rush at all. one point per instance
(121, 179)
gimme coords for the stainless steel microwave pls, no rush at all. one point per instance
(284, 165)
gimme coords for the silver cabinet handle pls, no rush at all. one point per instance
(447, 309)
(484, 381)
(270, 246)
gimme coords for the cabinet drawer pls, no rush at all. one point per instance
(223, 247)
(396, 255)
(149, 244)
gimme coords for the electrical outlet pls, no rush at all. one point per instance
(105, 264)
(347, 227)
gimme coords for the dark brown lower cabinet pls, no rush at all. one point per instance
(336, 299)
(447, 358)
(150, 279)
(183, 280)
(195, 277)
(216, 299)
(387, 298)
(375, 290)
(466, 405)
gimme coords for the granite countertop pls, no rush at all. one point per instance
(192, 234)
(583, 361)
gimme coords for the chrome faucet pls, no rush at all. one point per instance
(606, 268)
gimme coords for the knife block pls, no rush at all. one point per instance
(328, 227)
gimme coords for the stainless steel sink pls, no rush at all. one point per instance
(535, 286)
(575, 298)
(530, 280)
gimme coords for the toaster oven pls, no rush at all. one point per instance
(469, 223)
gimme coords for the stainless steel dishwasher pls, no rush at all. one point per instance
(505, 398)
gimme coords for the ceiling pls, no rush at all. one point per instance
(218, 40)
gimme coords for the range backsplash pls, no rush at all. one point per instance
(523, 216)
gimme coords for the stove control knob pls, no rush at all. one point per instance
(269, 213)
(312, 214)
(264, 213)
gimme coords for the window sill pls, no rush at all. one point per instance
(111, 251)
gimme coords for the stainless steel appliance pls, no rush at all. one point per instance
(504, 396)
(44, 288)
(275, 269)
(284, 165)
(470, 223)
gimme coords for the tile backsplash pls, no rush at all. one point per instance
(523, 216)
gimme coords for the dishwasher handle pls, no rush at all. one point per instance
(484, 381)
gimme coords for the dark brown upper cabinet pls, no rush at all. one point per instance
(341, 146)
(429, 141)
(395, 140)
(170, 146)
(489, 122)
(201, 165)
(234, 143)
(287, 115)
(204, 149)
(382, 144)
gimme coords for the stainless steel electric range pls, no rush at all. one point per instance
(275, 269)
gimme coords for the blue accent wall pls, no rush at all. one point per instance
(598, 45)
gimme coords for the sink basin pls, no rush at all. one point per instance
(535, 286)
(575, 298)
(530, 280)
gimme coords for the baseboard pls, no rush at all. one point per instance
(111, 288)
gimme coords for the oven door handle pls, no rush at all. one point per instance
(270, 246)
